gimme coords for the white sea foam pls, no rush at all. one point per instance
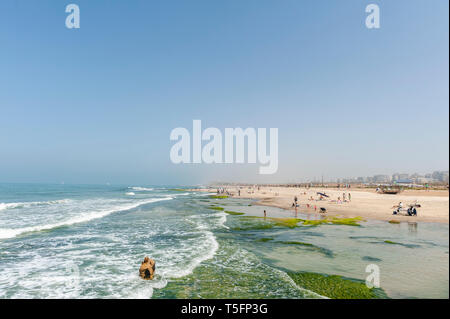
(140, 189)
(4, 206)
(205, 194)
(208, 244)
(308, 293)
(83, 217)
(130, 194)
(192, 245)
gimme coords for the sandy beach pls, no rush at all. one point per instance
(366, 203)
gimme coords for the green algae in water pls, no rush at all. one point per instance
(218, 196)
(368, 258)
(394, 222)
(276, 221)
(336, 287)
(177, 190)
(247, 223)
(233, 213)
(354, 221)
(270, 222)
(400, 244)
(309, 246)
(296, 243)
(253, 227)
(363, 237)
(216, 208)
(264, 240)
(285, 222)
(307, 222)
(232, 273)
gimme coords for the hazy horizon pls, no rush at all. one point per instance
(96, 105)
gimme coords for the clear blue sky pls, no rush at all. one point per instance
(97, 104)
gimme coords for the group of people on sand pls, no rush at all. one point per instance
(223, 191)
(411, 211)
(345, 198)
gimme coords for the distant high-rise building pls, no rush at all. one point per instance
(441, 176)
(381, 179)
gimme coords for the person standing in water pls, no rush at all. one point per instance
(265, 214)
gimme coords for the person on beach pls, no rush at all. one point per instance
(399, 208)
(147, 269)
(349, 197)
(343, 196)
(265, 214)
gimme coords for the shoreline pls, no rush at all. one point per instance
(364, 203)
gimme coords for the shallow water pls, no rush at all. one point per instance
(414, 265)
(61, 241)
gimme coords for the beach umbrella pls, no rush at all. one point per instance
(323, 194)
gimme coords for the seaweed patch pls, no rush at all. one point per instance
(216, 207)
(336, 287)
(233, 213)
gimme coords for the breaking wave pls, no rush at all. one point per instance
(140, 189)
(83, 217)
(4, 206)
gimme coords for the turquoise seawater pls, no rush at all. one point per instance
(65, 241)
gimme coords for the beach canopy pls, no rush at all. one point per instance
(323, 194)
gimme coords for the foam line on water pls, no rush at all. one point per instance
(85, 217)
(307, 292)
(142, 189)
(189, 268)
(4, 206)
(209, 244)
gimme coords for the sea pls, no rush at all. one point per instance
(88, 241)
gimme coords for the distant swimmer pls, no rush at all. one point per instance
(147, 269)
